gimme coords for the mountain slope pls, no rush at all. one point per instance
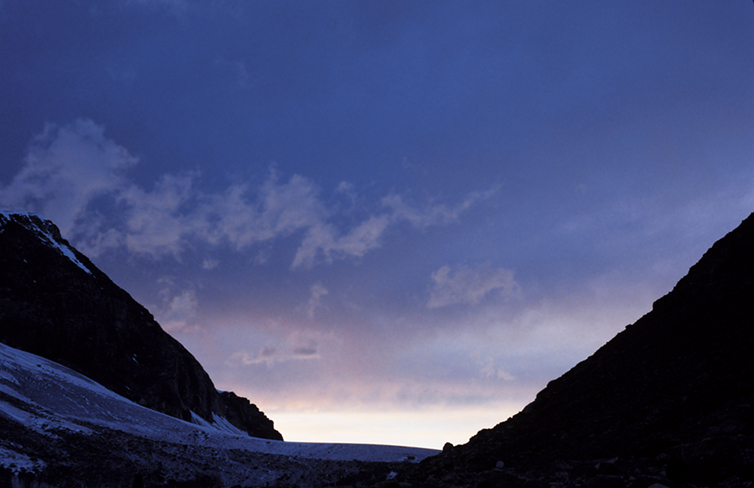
(55, 303)
(670, 398)
(63, 429)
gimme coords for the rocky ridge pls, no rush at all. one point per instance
(668, 402)
(55, 303)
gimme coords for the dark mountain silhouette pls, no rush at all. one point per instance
(55, 303)
(668, 401)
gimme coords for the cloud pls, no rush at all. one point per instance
(155, 221)
(429, 215)
(243, 217)
(177, 310)
(324, 240)
(78, 177)
(296, 347)
(488, 370)
(317, 292)
(65, 169)
(347, 189)
(470, 286)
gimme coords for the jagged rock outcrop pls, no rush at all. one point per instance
(669, 400)
(240, 411)
(55, 303)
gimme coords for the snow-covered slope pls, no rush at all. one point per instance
(43, 401)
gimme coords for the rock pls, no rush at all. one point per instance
(55, 303)
(608, 468)
(675, 390)
(241, 412)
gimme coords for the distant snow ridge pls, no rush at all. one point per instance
(32, 222)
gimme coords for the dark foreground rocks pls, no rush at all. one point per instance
(669, 400)
(107, 458)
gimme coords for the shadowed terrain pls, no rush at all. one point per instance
(55, 303)
(668, 400)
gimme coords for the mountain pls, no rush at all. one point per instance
(669, 401)
(55, 303)
(61, 429)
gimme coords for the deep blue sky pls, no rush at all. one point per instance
(377, 218)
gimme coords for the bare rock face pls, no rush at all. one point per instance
(668, 401)
(55, 303)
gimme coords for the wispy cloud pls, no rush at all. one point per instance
(470, 286)
(324, 240)
(297, 347)
(156, 223)
(71, 171)
(488, 370)
(244, 217)
(177, 309)
(429, 215)
(65, 169)
(315, 299)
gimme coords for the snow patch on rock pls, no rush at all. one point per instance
(29, 220)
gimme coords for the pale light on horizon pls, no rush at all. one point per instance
(430, 428)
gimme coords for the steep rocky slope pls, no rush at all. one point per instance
(55, 303)
(669, 400)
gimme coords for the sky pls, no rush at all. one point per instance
(383, 221)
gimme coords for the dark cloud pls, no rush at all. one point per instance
(305, 352)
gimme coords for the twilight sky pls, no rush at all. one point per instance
(383, 221)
